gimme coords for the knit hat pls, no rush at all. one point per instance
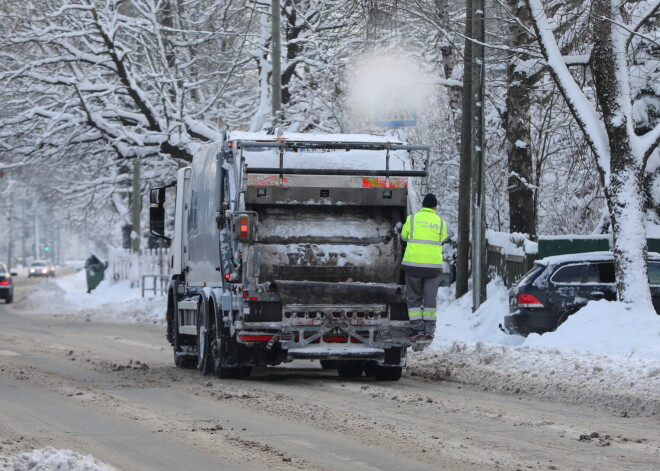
(430, 201)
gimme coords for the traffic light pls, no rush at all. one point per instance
(47, 248)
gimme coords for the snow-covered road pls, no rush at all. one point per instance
(110, 390)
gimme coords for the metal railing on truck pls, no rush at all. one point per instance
(285, 145)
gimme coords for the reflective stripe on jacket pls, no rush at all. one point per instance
(424, 232)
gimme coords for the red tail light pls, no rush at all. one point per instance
(4, 282)
(245, 294)
(244, 229)
(528, 301)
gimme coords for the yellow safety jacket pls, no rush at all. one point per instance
(424, 232)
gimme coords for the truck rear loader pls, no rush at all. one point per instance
(286, 247)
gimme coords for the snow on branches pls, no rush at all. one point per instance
(608, 123)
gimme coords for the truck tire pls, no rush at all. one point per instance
(205, 336)
(225, 351)
(186, 362)
(350, 369)
(390, 369)
(387, 373)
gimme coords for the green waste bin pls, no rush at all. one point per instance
(95, 271)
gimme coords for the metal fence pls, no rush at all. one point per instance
(148, 270)
(508, 267)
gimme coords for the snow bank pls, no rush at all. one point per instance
(50, 459)
(119, 302)
(606, 327)
(456, 321)
(606, 354)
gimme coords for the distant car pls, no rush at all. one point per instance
(6, 284)
(40, 268)
(556, 287)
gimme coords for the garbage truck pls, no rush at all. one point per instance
(286, 247)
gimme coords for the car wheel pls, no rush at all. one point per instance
(9, 299)
(566, 315)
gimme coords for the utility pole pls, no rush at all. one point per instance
(276, 53)
(464, 193)
(24, 227)
(478, 157)
(36, 231)
(136, 207)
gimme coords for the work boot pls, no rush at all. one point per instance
(429, 327)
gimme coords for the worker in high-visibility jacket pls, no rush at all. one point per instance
(424, 233)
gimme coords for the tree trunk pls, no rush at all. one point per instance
(623, 189)
(625, 205)
(522, 210)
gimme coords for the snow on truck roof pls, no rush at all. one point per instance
(585, 257)
(325, 158)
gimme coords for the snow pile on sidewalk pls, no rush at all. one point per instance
(607, 353)
(456, 321)
(606, 327)
(119, 302)
(50, 459)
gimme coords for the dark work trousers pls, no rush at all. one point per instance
(422, 295)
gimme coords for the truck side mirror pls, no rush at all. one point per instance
(157, 195)
(157, 222)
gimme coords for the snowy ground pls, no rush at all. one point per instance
(67, 296)
(605, 354)
(50, 459)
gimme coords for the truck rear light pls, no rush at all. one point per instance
(528, 301)
(244, 230)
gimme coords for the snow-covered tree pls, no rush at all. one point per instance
(608, 123)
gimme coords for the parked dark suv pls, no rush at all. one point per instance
(558, 286)
(6, 284)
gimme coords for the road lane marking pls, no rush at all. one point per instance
(8, 353)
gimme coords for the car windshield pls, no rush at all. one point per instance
(38, 264)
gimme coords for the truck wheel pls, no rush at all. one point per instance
(350, 369)
(387, 373)
(185, 361)
(225, 352)
(205, 334)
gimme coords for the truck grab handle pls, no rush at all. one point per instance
(334, 171)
